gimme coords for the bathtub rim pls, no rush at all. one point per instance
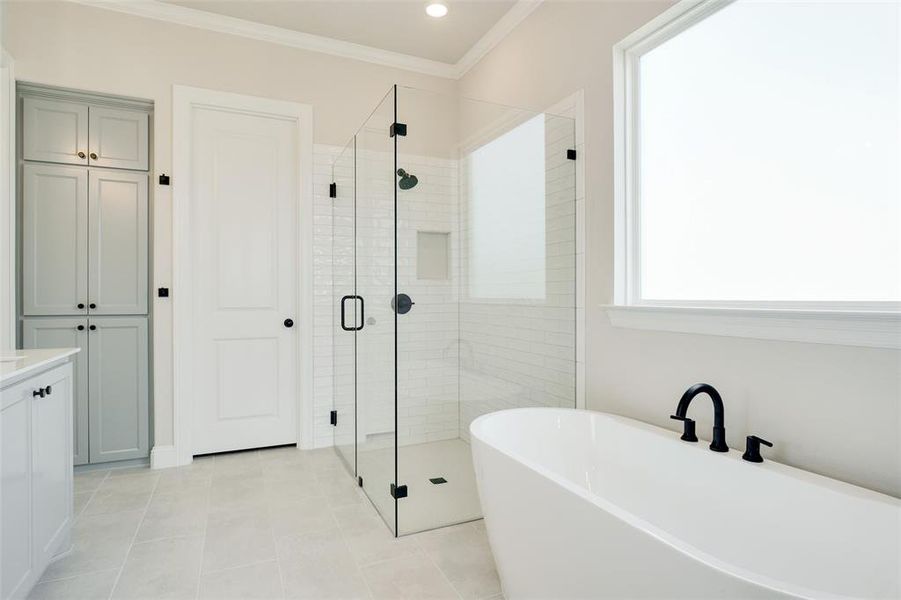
(477, 432)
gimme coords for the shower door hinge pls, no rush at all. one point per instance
(333, 417)
(333, 190)
(398, 129)
(398, 491)
(571, 154)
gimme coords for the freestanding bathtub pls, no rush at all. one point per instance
(583, 504)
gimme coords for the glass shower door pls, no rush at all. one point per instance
(345, 308)
(375, 275)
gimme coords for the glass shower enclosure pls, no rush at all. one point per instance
(453, 269)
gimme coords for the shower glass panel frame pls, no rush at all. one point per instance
(454, 291)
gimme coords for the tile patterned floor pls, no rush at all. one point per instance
(269, 524)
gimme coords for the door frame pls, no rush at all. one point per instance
(184, 100)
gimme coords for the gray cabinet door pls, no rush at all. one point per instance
(54, 240)
(64, 332)
(54, 131)
(118, 138)
(117, 242)
(117, 380)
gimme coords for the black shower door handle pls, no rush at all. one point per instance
(362, 313)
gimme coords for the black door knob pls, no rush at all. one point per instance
(92, 305)
(80, 328)
(92, 327)
(81, 305)
(289, 323)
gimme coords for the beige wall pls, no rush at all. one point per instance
(70, 45)
(829, 409)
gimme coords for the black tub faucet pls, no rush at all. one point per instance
(719, 427)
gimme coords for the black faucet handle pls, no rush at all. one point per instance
(752, 448)
(688, 432)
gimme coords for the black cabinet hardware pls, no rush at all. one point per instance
(289, 323)
(81, 305)
(164, 179)
(80, 328)
(398, 491)
(333, 417)
(49, 390)
(92, 327)
(39, 392)
(571, 154)
(333, 190)
(163, 292)
(92, 305)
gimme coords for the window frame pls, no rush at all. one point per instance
(876, 324)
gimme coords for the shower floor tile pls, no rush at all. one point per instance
(427, 505)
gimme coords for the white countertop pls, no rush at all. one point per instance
(17, 364)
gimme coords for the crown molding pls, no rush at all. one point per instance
(171, 13)
(494, 36)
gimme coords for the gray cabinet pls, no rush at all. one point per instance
(84, 271)
(117, 242)
(110, 383)
(67, 332)
(84, 241)
(55, 131)
(118, 385)
(54, 240)
(118, 138)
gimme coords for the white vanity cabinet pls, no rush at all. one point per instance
(36, 493)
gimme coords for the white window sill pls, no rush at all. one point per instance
(870, 329)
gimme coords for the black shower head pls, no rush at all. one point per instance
(407, 181)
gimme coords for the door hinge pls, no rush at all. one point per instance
(360, 481)
(398, 491)
(333, 190)
(571, 154)
(399, 129)
(333, 417)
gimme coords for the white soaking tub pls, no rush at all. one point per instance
(582, 504)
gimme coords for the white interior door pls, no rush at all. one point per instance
(244, 204)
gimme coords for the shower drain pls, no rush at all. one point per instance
(437, 480)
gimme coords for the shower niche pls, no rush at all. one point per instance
(453, 276)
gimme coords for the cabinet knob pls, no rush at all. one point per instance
(92, 327)
(289, 322)
(92, 305)
(94, 155)
(49, 390)
(81, 305)
(39, 392)
(81, 155)
(80, 328)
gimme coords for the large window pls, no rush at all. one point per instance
(760, 158)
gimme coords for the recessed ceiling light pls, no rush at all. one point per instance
(436, 9)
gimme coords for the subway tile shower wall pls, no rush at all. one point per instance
(458, 357)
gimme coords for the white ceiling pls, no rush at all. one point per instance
(394, 25)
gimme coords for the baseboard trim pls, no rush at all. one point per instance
(163, 457)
